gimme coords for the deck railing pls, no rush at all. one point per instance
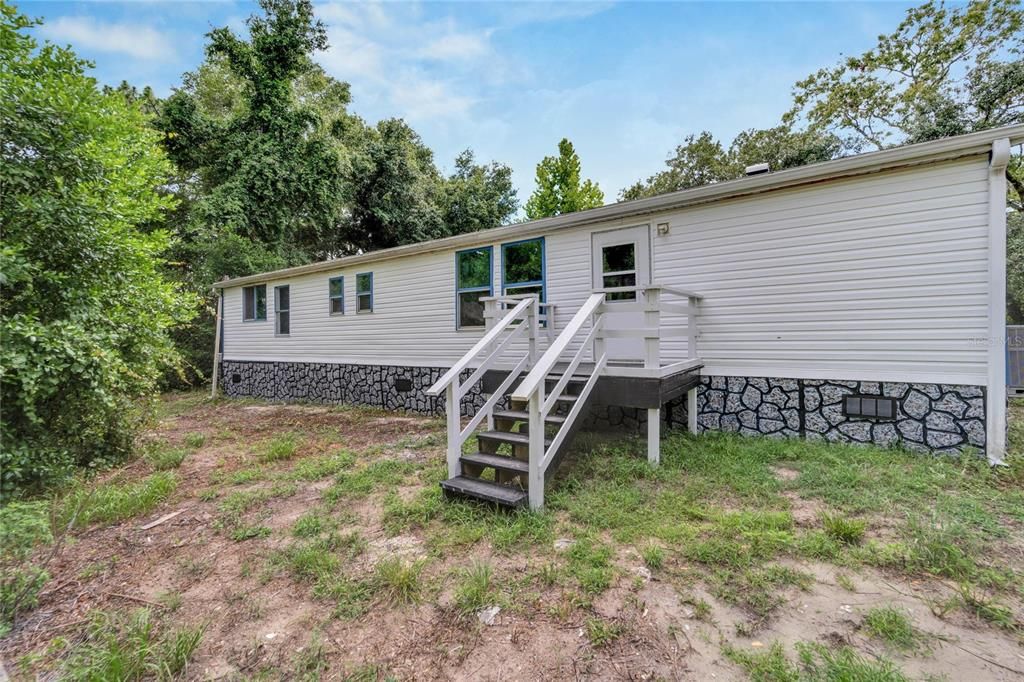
(518, 323)
(589, 329)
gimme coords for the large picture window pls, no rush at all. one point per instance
(364, 292)
(254, 303)
(472, 281)
(336, 294)
(282, 310)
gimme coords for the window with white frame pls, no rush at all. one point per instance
(336, 295)
(472, 281)
(254, 303)
(364, 292)
(282, 310)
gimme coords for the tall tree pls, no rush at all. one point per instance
(938, 59)
(560, 188)
(702, 160)
(86, 309)
(477, 197)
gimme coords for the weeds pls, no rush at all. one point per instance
(590, 565)
(474, 588)
(24, 526)
(195, 440)
(987, 609)
(279, 448)
(601, 632)
(243, 533)
(163, 458)
(653, 556)
(893, 626)
(842, 529)
(398, 581)
(130, 647)
(114, 501)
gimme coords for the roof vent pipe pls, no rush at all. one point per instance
(756, 169)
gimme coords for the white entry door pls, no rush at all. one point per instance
(622, 258)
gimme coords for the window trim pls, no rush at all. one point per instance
(543, 282)
(341, 297)
(466, 290)
(244, 311)
(364, 293)
(278, 310)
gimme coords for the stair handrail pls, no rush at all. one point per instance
(547, 361)
(521, 319)
(485, 341)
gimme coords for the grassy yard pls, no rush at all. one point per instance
(309, 542)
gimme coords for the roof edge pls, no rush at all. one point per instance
(924, 152)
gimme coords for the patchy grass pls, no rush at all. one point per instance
(893, 626)
(842, 529)
(243, 533)
(602, 632)
(115, 500)
(817, 663)
(130, 647)
(399, 581)
(162, 457)
(473, 591)
(279, 448)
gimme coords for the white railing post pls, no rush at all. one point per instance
(652, 320)
(598, 343)
(536, 473)
(454, 413)
(532, 319)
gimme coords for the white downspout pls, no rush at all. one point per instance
(995, 410)
(216, 344)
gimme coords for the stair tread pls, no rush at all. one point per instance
(485, 490)
(509, 437)
(523, 415)
(497, 461)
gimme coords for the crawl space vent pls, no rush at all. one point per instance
(869, 406)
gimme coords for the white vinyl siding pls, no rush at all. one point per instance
(879, 277)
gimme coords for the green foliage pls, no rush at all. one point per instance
(243, 533)
(162, 458)
(130, 647)
(938, 60)
(702, 160)
(24, 526)
(279, 447)
(818, 663)
(87, 311)
(560, 187)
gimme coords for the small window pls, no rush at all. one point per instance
(869, 406)
(364, 292)
(618, 269)
(254, 303)
(336, 293)
(282, 310)
(472, 280)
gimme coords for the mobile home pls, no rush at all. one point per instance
(857, 300)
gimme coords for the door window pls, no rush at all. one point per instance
(618, 269)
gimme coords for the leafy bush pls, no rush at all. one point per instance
(84, 325)
(23, 527)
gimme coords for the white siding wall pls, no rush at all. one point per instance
(881, 277)
(875, 278)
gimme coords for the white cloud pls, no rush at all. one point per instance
(457, 46)
(134, 40)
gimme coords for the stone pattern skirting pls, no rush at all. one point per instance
(930, 417)
(372, 385)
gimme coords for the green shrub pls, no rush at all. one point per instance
(87, 308)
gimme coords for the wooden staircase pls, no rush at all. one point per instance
(498, 471)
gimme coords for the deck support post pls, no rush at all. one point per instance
(454, 428)
(217, 355)
(654, 436)
(691, 410)
(536, 456)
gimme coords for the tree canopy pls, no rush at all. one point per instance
(560, 187)
(86, 306)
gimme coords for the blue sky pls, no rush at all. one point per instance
(626, 82)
